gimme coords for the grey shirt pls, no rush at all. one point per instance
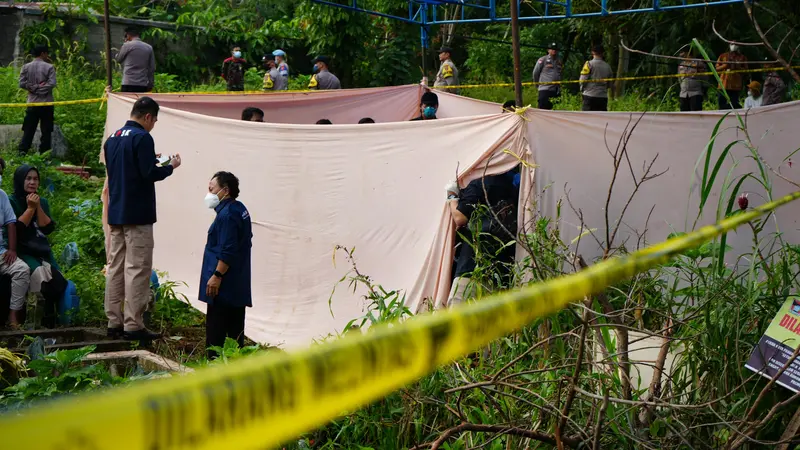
(324, 80)
(7, 217)
(447, 76)
(596, 69)
(138, 63)
(281, 78)
(38, 77)
(547, 69)
(691, 85)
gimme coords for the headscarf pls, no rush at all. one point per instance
(19, 183)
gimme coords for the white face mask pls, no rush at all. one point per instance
(750, 93)
(212, 201)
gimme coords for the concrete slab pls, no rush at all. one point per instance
(148, 361)
(12, 134)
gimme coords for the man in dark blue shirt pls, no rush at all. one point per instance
(493, 200)
(225, 275)
(132, 169)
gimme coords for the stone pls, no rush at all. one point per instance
(12, 134)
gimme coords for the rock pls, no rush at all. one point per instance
(12, 134)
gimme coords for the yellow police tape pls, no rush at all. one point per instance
(62, 103)
(606, 80)
(462, 86)
(264, 400)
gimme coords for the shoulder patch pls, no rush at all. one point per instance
(447, 71)
(586, 69)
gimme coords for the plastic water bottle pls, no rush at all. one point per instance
(70, 255)
(69, 304)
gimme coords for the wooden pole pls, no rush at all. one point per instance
(515, 45)
(107, 27)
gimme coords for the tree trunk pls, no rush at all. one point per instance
(623, 60)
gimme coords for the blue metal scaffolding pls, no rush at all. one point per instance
(425, 13)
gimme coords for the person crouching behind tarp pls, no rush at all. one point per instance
(225, 275)
(428, 106)
(252, 114)
(33, 226)
(485, 213)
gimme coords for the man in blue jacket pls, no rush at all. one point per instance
(132, 170)
(225, 275)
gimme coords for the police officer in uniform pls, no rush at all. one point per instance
(595, 94)
(448, 73)
(322, 78)
(272, 74)
(282, 79)
(548, 68)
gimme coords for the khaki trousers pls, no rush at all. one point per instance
(130, 263)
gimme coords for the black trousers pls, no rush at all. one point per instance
(134, 88)
(723, 102)
(33, 117)
(222, 322)
(595, 103)
(545, 99)
(693, 103)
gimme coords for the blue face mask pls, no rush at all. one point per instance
(429, 112)
(237, 54)
(316, 68)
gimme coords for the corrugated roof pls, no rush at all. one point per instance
(36, 8)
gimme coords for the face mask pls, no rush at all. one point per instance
(750, 93)
(212, 201)
(316, 68)
(733, 48)
(429, 112)
(237, 54)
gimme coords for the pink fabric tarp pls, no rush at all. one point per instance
(378, 188)
(390, 104)
(572, 157)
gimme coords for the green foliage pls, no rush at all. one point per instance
(382, 306)
(57, 373)
(172, 308)
(231, 351)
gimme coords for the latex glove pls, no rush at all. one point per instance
(452, 187)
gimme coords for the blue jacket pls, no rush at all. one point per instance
(132, 173)
(230, 239)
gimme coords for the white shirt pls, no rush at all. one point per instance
(751, 102)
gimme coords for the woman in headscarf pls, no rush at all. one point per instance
(33, 226)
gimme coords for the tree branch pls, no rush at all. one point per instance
(572, 442)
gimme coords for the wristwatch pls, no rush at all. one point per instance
(218, 274)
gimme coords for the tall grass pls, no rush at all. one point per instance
(527, 390)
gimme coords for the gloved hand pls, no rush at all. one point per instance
(452, 187)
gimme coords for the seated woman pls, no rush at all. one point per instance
(33, 226)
